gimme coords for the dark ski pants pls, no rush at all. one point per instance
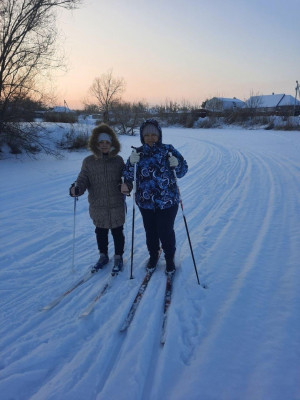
(118, 237)
(159, 227)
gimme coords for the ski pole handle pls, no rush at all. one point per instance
(75, 186)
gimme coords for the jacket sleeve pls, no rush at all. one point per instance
(128, 173)
(82, 181)
(182, 166)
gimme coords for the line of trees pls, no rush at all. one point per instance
(27, 51)
(106, 92)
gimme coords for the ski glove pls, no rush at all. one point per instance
(134, 157)
(76, 190)
(173, 161)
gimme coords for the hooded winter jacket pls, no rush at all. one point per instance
(101, 176)
(155, 181)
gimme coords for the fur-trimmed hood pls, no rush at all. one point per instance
(93, 141)
(151, 121)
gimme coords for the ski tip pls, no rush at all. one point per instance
(123, 328)
(170, 275)
(46, 308)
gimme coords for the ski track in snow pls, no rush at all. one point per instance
(237, 339)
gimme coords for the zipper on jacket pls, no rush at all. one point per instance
(107, 191)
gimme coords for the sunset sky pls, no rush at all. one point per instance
(173, 49)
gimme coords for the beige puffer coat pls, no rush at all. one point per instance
(101, 176)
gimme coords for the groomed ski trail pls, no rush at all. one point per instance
(241, 198)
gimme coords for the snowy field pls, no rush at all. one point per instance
(236, 340)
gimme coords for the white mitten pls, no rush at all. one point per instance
(173, 161)
(134, 157)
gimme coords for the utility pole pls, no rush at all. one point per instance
(297, 89)
(67, 108)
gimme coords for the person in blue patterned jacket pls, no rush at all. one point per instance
(157, 194)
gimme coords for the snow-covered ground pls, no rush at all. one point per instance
(236, 340)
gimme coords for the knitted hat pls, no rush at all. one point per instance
(150, 126)
(104, 136)
(150, 129)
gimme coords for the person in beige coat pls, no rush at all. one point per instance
(101, 175)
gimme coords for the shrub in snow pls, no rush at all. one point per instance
(63, 117)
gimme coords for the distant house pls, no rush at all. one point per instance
(272, 102)
(223, 103)
(61, 109)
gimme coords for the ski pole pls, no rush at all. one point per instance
(125, 213)
(74, 227)
(133, 217)
(186, 225)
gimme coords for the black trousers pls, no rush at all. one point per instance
(159, 228)
(118, 237)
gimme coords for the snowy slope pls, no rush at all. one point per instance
(238, 339)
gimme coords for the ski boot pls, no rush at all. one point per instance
(103, 260)
(170, 266)
(153, 260)
(118, 265)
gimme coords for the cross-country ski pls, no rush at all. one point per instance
(167, 302)
(101, 293)
(136, 301)
(56, 301)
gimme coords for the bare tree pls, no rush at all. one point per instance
(215, 105)
(255, 100)
(27, 49)
(107, 90)
(128, 116)
(253, 104)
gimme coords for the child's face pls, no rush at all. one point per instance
(104, 146)
(150, 139)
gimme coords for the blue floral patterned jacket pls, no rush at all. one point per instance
(155, 181)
